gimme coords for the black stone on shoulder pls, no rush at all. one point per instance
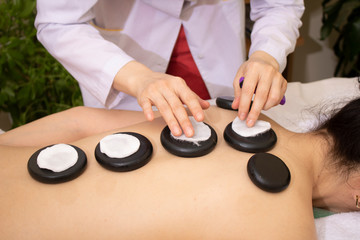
(268, 172)
(259, 143)
(225, 102)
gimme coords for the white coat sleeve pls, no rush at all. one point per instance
(63, 28)
(276, 27)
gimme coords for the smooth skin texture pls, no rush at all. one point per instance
(209, 197)
(70, 125)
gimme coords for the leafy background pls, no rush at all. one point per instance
(32, 83)
(343, 17)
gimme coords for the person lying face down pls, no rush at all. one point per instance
(208, 197)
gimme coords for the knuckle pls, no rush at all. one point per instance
(266, 107)
(178, 81)
(163, 107)
(247, 92)
(184, 122)
(262, 93)
(189, 98)
(143, 102)
(151, 88)
(253, 64)
(254, 113)
(270, 69)
(178, 108)
(285, 83)
(273, 98)
(171, 121)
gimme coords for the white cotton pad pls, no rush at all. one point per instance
(57, 158)
(119, 145)
(202, 132)
(241, 129)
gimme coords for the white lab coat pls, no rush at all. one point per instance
(93, 39)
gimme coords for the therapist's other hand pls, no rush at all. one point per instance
(166, 92)
(261, 73)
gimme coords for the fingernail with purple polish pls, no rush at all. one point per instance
(283, 100)
(241, 81)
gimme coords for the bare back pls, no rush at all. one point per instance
(209, 197)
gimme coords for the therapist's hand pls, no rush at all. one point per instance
(261, 73)
(166, 92)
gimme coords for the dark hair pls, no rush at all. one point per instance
(344, 129)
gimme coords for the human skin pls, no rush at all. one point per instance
(261, 72)
(169, 93)
(70, 125)
(208, 197)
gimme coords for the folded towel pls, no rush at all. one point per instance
(301, 97)
(341, 226)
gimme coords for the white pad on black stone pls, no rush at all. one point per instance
(57, 158)
(119, 145)
(260, 139)
(203, 141)
(240, 127)
(202, 132)
(124, 151)
(57, 163)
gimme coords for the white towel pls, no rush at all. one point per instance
(1, 131)
(300, 97)
(341, 226)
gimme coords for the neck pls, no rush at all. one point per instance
(329, 187)
(315, 159)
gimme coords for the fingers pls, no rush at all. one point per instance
(169, 96)
(277, 93)
(147, 109)
(167, 106)
(247, 93)
(260, 98)
(183, 95)
(263, 84)
(177, 112)
(236, 85)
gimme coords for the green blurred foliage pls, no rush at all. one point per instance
(32, 83)
(343, 16)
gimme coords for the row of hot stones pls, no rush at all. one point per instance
(127, 151)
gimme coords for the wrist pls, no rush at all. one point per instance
(128, 78)
(264, 57)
